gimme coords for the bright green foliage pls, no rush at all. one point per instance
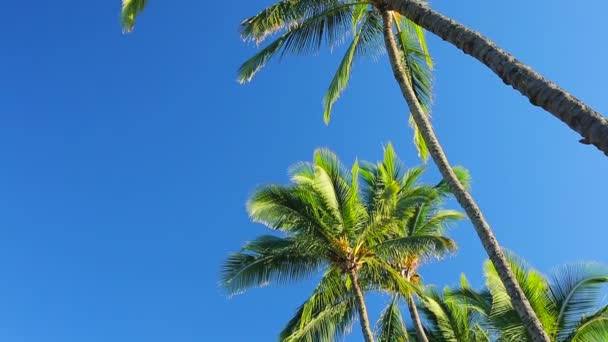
(328, 221)
(451, 318)
(305, 26)
(390, 326)
(130, 10)
(570, 305)
(404, 227)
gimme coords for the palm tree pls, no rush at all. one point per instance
(426, 219)
(388, 192)
(306, 23)
(571, 305)
(326, 226)
(591, 125)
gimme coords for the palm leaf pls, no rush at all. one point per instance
(576, 291)
(266, 259)
(130, 10)
(307, 36)
(326, 314)
(390, 326)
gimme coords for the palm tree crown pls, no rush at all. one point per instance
(354, 233)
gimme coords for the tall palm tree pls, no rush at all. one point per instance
(591, 125)
(307, 23)
(326, 226)
(427, 218)
(389, 192)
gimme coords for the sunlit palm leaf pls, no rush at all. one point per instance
(130, 10)
(326, 314)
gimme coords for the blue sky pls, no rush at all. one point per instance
(125, 161)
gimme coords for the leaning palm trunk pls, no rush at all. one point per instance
(361, 307)
(411, 304)
(489, 242)
(541, 92)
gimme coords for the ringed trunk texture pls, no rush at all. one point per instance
(591, 125)
(489, 242)
(361, 307)
(416, 318)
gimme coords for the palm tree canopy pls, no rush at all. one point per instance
(335, 218)
(405, 222)
(306, 26)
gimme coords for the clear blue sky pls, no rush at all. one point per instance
(125, 161)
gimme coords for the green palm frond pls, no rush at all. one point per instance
(576, 291)
(390, 326)
(332, 183)
(327, 26)
(447, 319)
(463, 176)
(419, 68)
(592, 331)
(481, 302)
(283, 15)
(290, 209)
(340, 79)
(411, 176)
(328, 313)
(130, 10)
(535, 287)
(436, 222)
(267, 259)
(420, 246)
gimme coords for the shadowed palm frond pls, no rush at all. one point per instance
(390, 326)
(270, 258)
(576, 291)
(327, 314)
(364, 34)
(327, 26)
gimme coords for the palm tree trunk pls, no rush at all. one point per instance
(489, 242)
(361, 308)
(540, 91)
(416, 318)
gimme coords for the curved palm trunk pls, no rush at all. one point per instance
(541, 92)
(361, 307)
(489, 242)
(416, 318)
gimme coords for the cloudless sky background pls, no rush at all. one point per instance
(126, 160)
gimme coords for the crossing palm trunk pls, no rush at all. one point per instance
(361, 307)
(591, 125)
(489, 242)
(411, 304)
